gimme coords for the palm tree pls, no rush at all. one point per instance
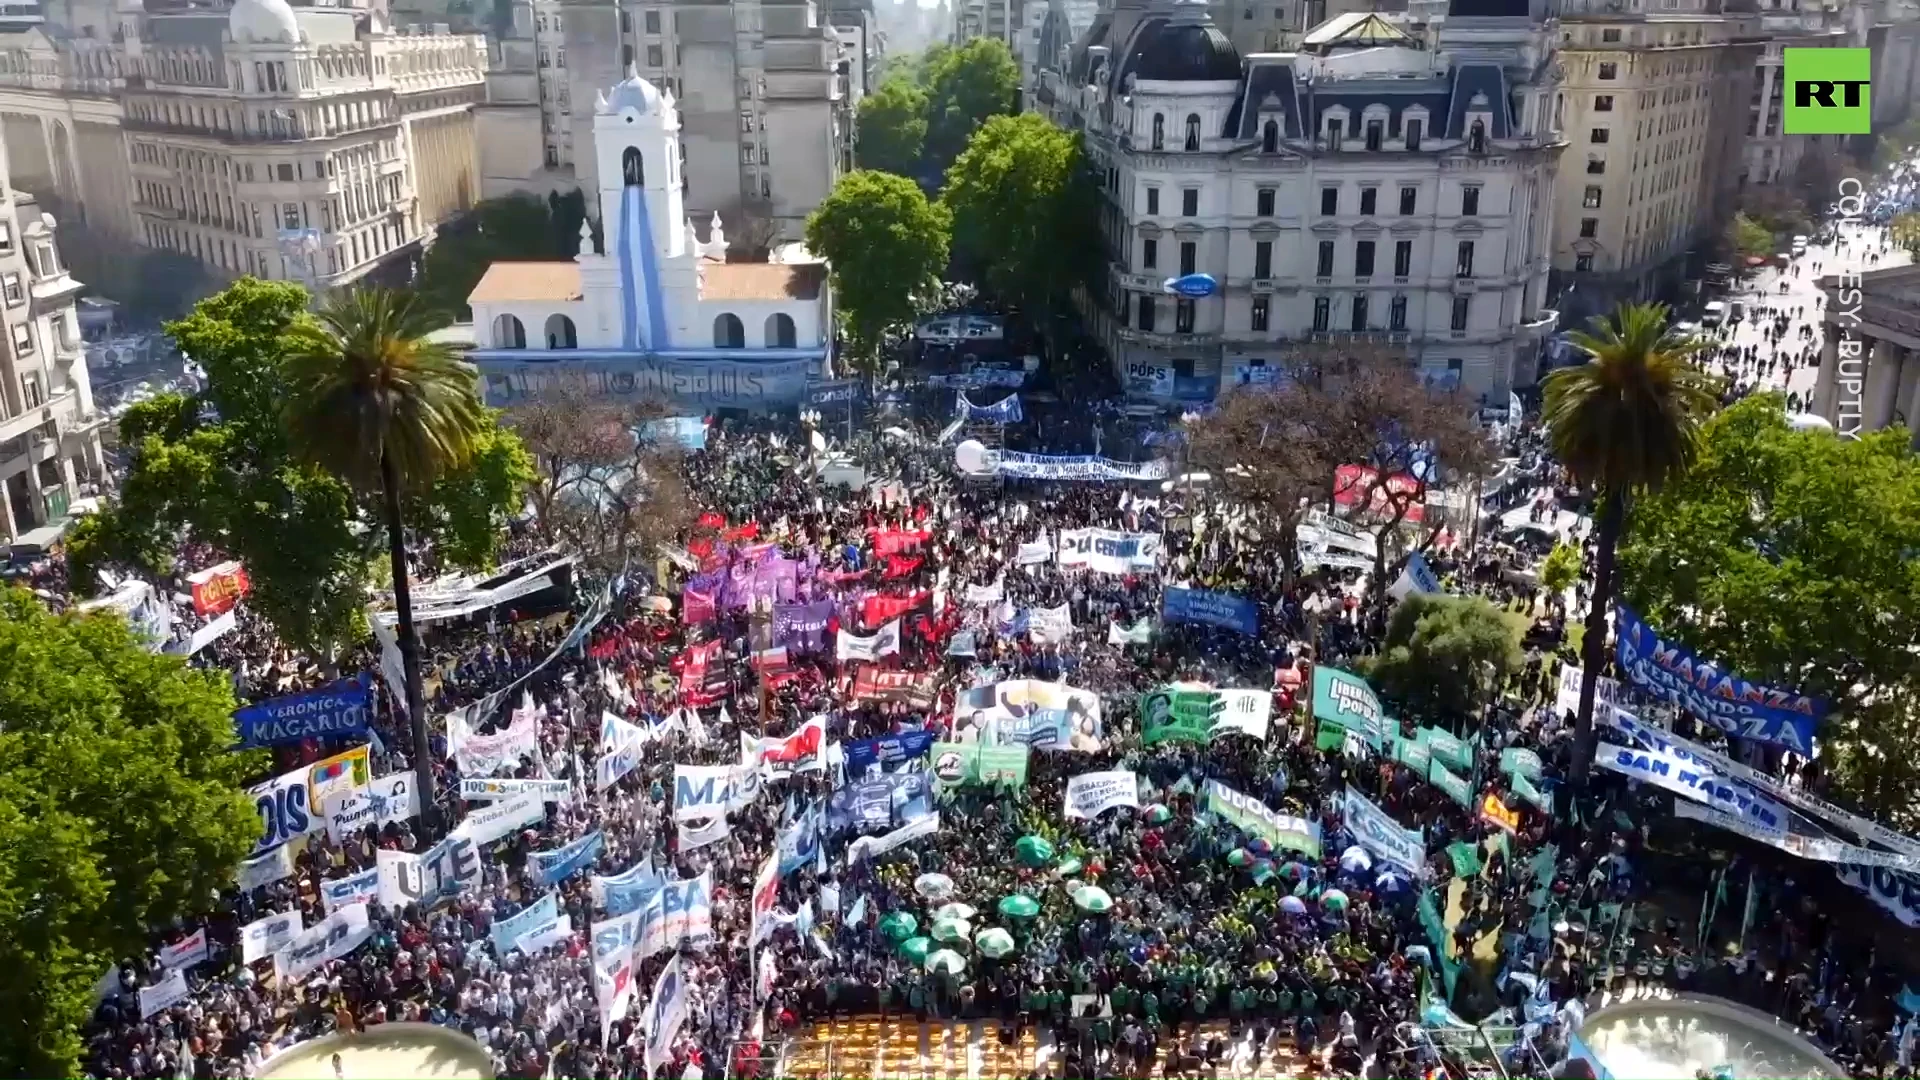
(1625, 422)
(376, 403)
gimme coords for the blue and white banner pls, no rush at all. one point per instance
(1107, 551)
(508, 932)
(1236, 613)
(799, 843)
(554, 867)
(1672, 769)
(360, 888)
(329, 939)
(864, 806)
(331, 712)
(284, 810)
(665, 1013)
(1004, 411)
(1375, 830)
(1736, 706)
(267, 935)
(1079, 467)
(979, 378)
(682, 911)
(440, 872)
(1898, 894)
(1415, 577)
(872, 847)
(703, 791)
(488, 789)
(629, 890)
(885, 750)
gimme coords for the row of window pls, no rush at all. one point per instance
(729, 332)
(1266, 198)
(1363, 258)
(1359, 314)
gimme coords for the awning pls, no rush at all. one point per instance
(36, 541)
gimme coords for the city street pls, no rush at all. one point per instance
(1861, 247)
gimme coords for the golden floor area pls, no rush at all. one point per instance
(900, 1046)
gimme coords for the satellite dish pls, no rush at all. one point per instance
(971, 457)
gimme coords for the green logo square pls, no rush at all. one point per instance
(1828, 92)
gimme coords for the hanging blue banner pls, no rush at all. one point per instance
(553, 867)
(1005, 411)
(337, 710)
(1744, 709)
(885, 750)
(1236, 613)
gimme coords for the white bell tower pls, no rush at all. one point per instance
(636, 136)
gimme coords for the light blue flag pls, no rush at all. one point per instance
(857, 914)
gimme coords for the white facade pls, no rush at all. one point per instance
(1366, 191)
(765, 105)
(659, 310)
(308, 144)
(49, 427)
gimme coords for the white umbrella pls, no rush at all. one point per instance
(946, 962)
(933, 886)
(955, 910)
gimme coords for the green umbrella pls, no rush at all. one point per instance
(1019, 906)
(1069, 866)
(994, 942)
(899, 925)
(946, 962)
(1159, 814)
(1092, 899)
(1239, 857)
(952, 930)
(955, 910)
(1033, 850)
(915, 949)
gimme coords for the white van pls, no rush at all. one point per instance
(1714, 315)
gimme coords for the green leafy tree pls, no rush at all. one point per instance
(1023, 206)
(1560, 570)
(217, 465)
(513, 227)
(1788, 556)
(1906, 231)
(1748, 238)
(120, 811)
(375, 403)
(892, 126)
(966, 87)
(1444, 656)
(886, 244)
(1625, 424)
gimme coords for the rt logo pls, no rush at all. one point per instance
(1829, 91)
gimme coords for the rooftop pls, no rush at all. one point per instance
(506, 281)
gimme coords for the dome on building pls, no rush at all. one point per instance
(264, 21)
(1187, 48)
(635, 93)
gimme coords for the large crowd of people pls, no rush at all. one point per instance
(845, 656)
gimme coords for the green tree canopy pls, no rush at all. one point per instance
(218, 464)
(892, 126)
(508, 228)
(886, 244)
(120, 811)
(1748, 238)
(1561, 569)
(1624, 423)
(1023, 209)
(1443, 655)
(966, 87)
(1789, 556)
